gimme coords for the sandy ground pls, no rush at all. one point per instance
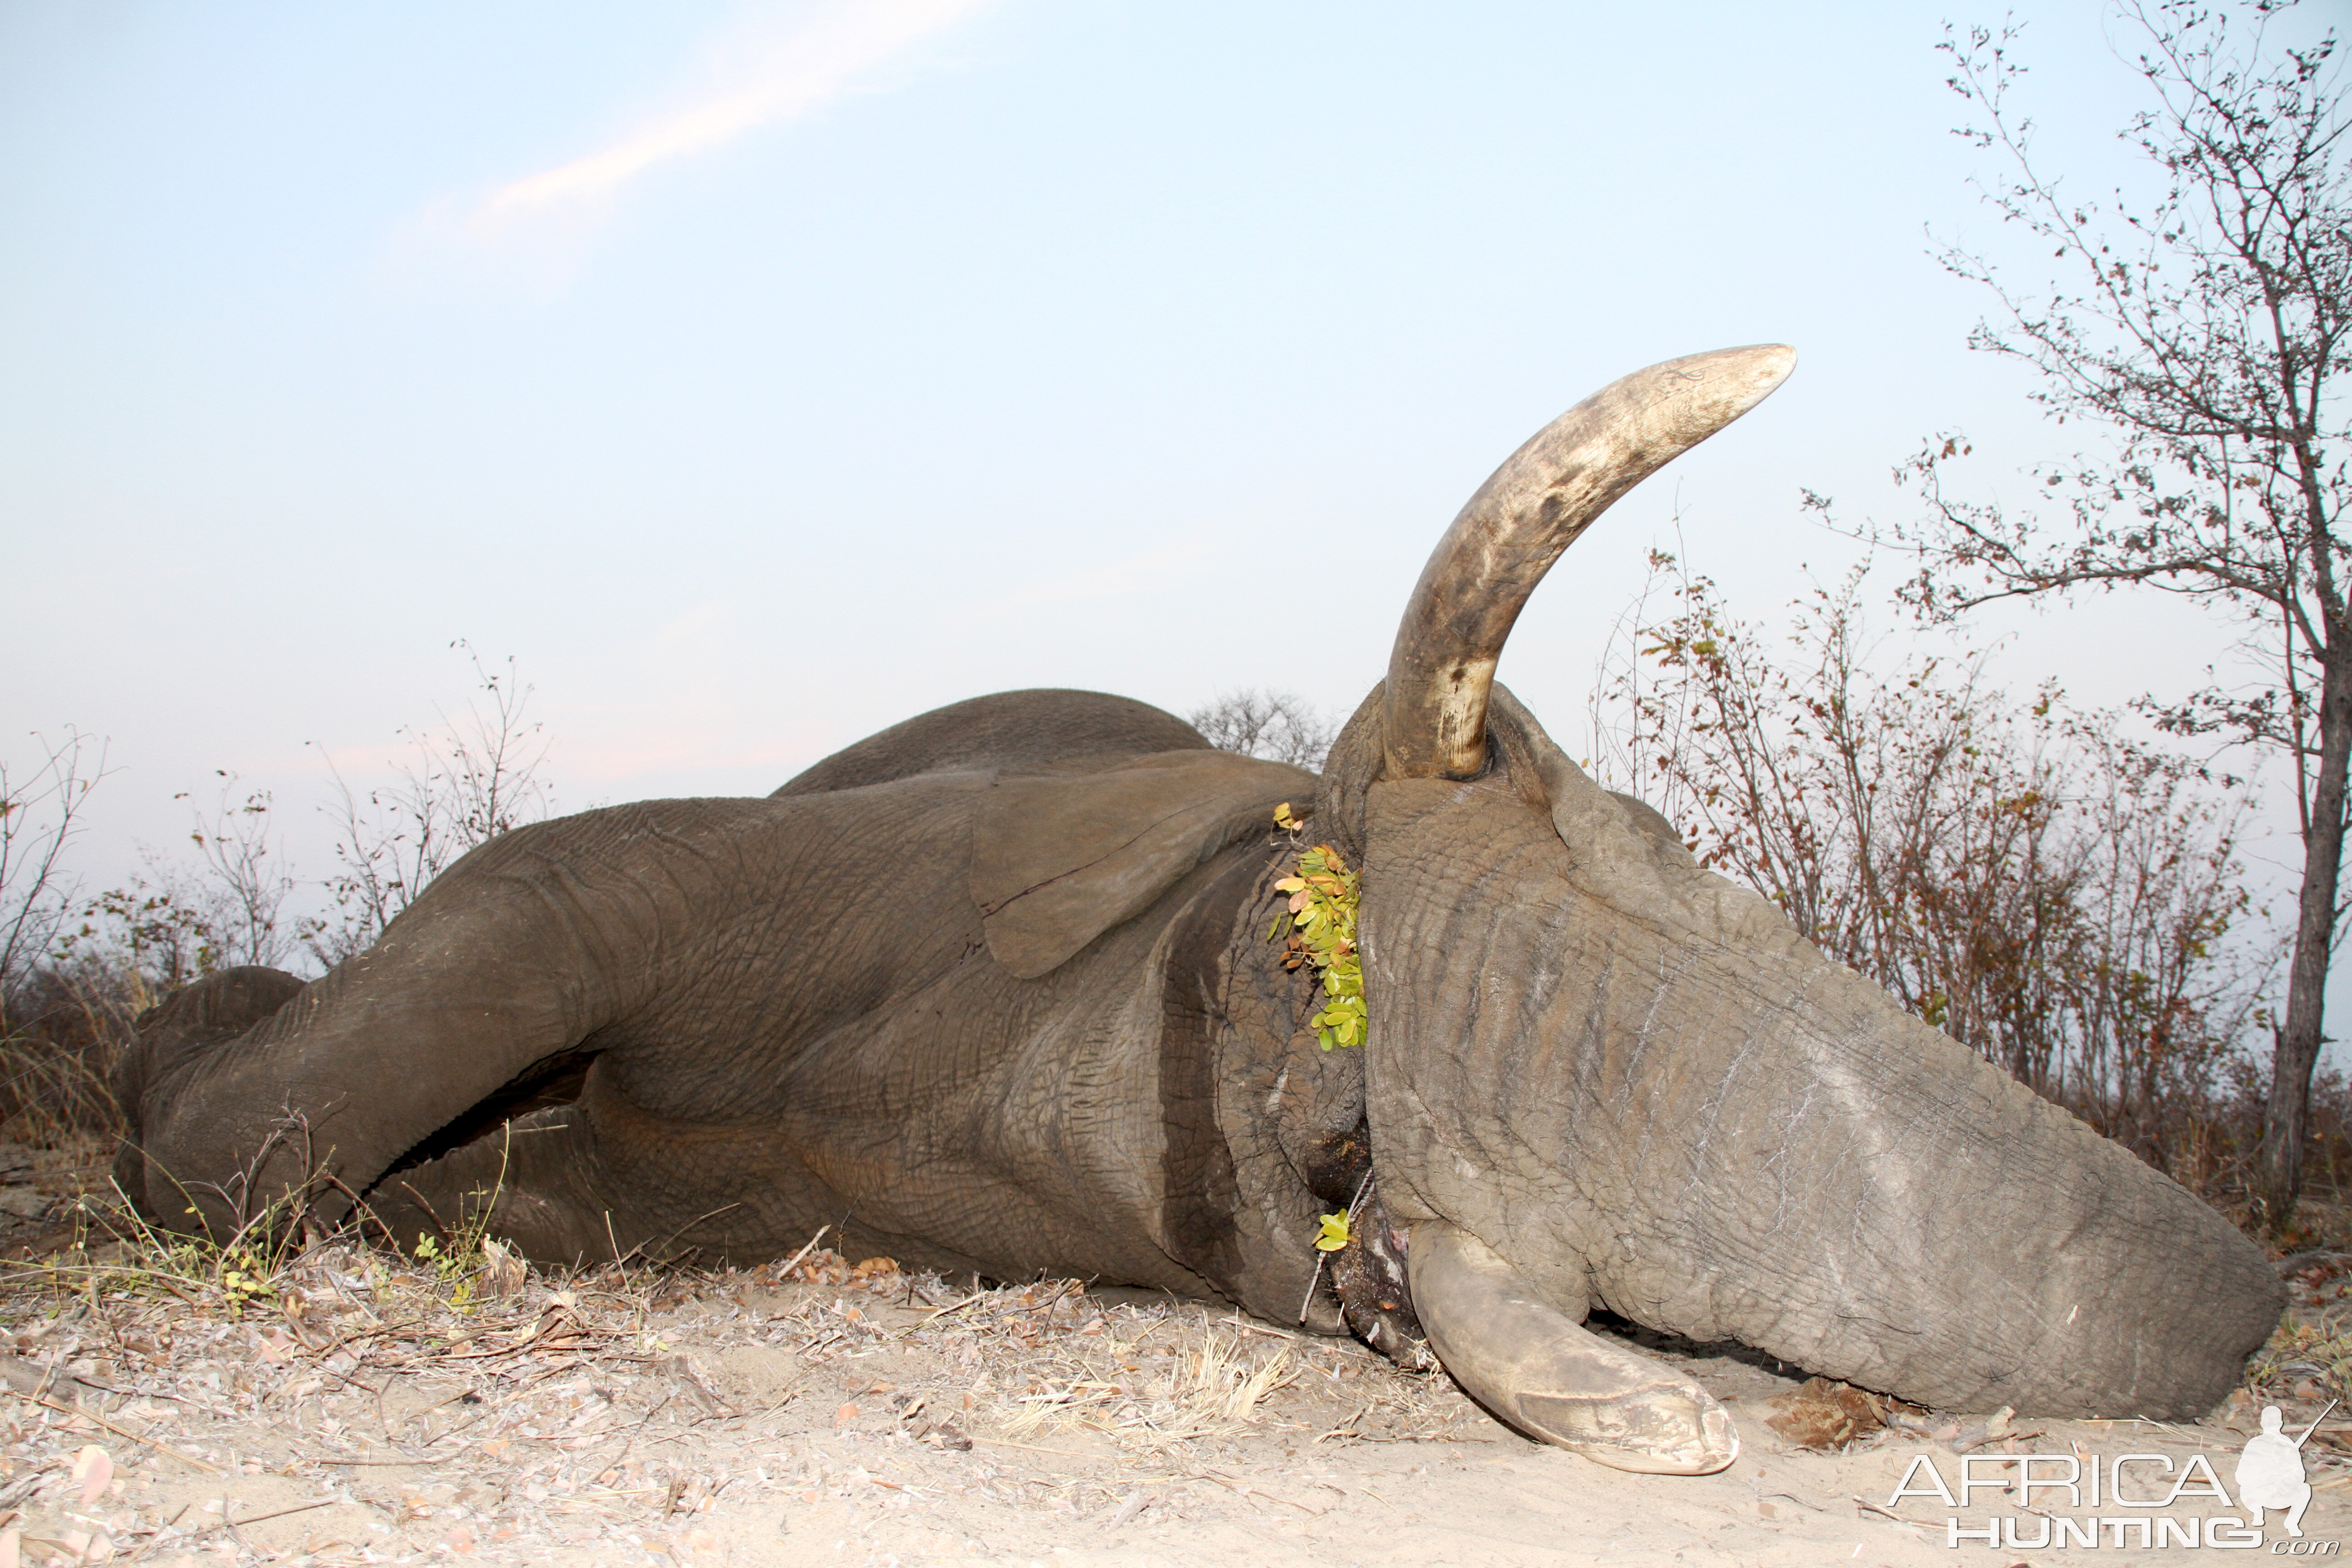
(354, 1408)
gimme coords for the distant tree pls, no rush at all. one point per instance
(1279, 726)
(2202, 336)
(2048, 892)
(40, 813)
(468, 782)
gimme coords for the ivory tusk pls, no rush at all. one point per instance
(1534, 1366)
(1531, 509)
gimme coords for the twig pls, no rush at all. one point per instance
(631, 1440)
(614, 1243)
(460, 1426)
(155, 1443)
(275, 1513)
(1239, 1489)
(1238, 1321)
(689, 1225)
(1033, 1447)
(229, 1524)
(1348, 1427)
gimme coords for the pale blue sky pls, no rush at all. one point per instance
(762, 375)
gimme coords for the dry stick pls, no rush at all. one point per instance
(229, 1524)
(681, 1230)
(157, 1534)
(1235, 1322)
(155, 1443)
(1008, 1443)
(460, 1426)
(614, 1243)
(274, 1513)
(1347, 1428)
(632, 1441)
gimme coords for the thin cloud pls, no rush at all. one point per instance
(816, 64)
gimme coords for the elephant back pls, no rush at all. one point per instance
(1003, 731)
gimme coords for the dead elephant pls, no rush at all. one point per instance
(997, 981)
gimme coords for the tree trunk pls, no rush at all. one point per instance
(2280, 1181)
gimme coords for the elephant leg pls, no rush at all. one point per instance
(539, 1180)
(195, 1019)
(1534, 1366)
(601, 1178)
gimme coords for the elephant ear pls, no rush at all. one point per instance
(1058, 858)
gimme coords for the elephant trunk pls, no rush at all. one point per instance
(481, 1000)
(1714, 1129)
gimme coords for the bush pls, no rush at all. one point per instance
(76, 970)
(2062, 898)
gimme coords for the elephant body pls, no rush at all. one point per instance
(897, 1078)
(996, 991)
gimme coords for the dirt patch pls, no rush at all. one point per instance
(353, 1407)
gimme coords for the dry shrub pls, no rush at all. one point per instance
(1211, 1389)
(2063, 898)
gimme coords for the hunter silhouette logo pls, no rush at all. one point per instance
(2270, 1470)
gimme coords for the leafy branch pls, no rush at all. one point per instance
(1322, 915)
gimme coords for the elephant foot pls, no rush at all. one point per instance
(1534, 1366)
(532, 1184)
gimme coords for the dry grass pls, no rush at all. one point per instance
(396, 1407)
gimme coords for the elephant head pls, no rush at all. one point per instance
(1601, 1076)
(998, 981)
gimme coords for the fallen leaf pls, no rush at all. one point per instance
(92, 1470)
(844, 1417)
(1823, 1415)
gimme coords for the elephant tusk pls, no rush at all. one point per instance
(1510, 533)
(1531, 1364)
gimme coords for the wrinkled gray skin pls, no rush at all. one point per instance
(995, 985)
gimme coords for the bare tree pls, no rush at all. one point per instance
(465, 784)
(2048, 892)
(37, 818)
(242, 886)
(177, 922)
(1279, 726)
(2202, 336)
